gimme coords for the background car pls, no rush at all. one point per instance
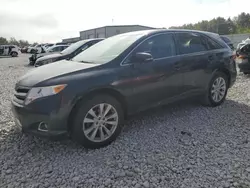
(9, 50)
(50, 50)
(243, 58)
(68, 53)
(88, 97)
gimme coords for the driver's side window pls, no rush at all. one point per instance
(159, 46)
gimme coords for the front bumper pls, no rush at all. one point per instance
(46, 110)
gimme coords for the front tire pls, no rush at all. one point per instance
(97, 121)
(217, 90)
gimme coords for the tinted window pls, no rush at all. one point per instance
(159, 46)
(190, 43)
(212, 44)
(55, 49)
(63, 47)
(227, 40)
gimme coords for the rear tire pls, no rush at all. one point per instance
(217, 90)
(14, 54)
(246, 73)
(88, 121)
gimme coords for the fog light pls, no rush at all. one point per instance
(43, 127)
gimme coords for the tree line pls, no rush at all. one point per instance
(13, 41)
(236, 25)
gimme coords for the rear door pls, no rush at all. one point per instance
(194, 60)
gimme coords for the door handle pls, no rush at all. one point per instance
(210, 58)
(177, 66)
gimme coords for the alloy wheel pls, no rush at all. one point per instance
(218, 89)
(100, 122)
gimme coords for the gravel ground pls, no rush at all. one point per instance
(180, 146)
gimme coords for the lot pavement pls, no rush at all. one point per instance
(178, 146)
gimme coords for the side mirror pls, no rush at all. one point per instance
(143, 57)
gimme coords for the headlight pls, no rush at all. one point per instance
(39, 92)
(44, 62)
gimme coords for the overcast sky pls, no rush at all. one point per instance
(52, 20)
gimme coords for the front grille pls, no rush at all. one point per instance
(20, 95)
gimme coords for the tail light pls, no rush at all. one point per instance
(242, 57)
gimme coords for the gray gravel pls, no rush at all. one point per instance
(180, 146)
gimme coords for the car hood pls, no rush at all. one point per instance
(49, 71)
(48, 56)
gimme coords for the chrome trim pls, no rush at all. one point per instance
(177, 55)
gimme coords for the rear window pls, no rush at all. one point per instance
(227, 40)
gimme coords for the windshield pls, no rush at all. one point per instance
(50, 48)
(73, 47)
(108, 49)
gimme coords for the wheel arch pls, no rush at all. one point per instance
(226, 72)
(103, 91)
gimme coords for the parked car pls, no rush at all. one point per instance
(228, 41)
(9, 50)
(88, 97)
(243, 43)
(24, 49)
(31, 49)
(243, 58)
(50, 50)
(68, 53)
(48, 45)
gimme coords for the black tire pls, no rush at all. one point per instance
(82, 109)
(207, 99)
(246, 73)
(32, 51)
(14, 54)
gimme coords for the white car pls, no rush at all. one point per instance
(36, 49)
(244, 42)
(9, 50)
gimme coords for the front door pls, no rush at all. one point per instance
(158, 80)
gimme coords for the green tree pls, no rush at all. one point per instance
(13, 41)
(238, 24)
(23, 43)
(3, 40)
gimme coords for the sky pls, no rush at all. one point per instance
(53, 20)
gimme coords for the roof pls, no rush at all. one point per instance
(118, 26)
(152, 31)
(72, 38)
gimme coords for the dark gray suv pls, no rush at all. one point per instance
(88, 97)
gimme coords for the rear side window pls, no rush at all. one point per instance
(227, 40)
(63, 48)
(190, 43)
(212, 45)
